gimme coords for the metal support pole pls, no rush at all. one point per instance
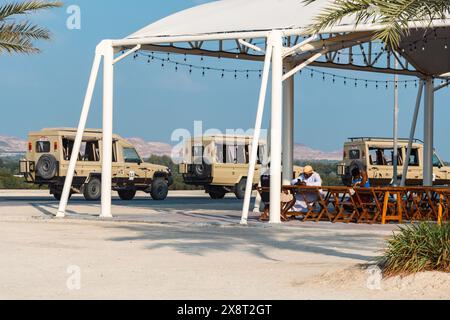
(79, 135)
(256, 136)
(428, 133)
(288, 130)
(108, 91)
(412, 134)
(276, 40)
(395, 131)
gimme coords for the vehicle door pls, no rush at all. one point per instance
(134, 169)
(223, 170)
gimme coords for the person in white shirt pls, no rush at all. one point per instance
(307, 178)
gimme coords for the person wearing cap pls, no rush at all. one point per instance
(308, 178)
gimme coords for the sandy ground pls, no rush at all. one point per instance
(189, 247)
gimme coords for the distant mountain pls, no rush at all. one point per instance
(302, 152)
(11, 146)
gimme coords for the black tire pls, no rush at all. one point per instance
(58, 195)
(47, 167)
(356, 164)
(200, 170)
(217, 194)
(239, 189)
(160, 189)
(127, 195)
(93, 189)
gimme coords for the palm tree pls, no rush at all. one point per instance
(18, 36)
(392, 15)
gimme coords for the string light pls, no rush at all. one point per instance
(247, 72)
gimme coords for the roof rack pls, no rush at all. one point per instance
(382, 139)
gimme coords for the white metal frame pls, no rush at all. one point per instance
(276, 56)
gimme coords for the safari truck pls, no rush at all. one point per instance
(220, 164)
(48, 156)
(376, 155)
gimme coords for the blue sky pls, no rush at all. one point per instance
(47, 90)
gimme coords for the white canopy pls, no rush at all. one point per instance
(234, 16)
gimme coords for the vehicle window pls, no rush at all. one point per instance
(436, 161)
(384, 156)
(89, 150)
(231, 154)
(354, 154)
(414, 158)
(220, 153)
(241, 156)
(114, 152)
(43, 146)
(261, 154)
(197, 154)
(130, 155)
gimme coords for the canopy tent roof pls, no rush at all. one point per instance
(192, 30)
(230, 16)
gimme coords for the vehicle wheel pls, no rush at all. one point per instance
(217, 194)
(356, 164)
(93, 190)
(160, 189)
(127, 195)
(240, 189)
(200, 170)
(46, 167)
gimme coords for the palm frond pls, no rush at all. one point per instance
(393, 16)
(26, 7)
(12, 44)
(23, 29)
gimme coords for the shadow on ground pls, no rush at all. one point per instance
(197, 240)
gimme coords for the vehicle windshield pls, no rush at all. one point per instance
(130, 155)
(436, 161)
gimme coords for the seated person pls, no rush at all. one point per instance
(307, 178)
(360, 178)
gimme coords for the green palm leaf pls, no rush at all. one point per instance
(392, 15)
(18, 37)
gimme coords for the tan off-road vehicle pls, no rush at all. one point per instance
(220, 164)
(375, 155)
(48, 156)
